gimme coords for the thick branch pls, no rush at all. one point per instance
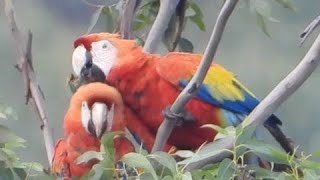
(276, 97)
(32, 90)
(166, 127)
(127, 16)
(167, 8)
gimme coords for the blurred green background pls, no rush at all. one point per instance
(260, 62)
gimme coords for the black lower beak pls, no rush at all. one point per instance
(91, 73)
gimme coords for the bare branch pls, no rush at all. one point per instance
(287, 86)
(33, 92)
(167, 7)
(309, 29)
(167, 125)
(276, 97)
(127, 14)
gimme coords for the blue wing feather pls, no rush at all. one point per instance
(238, 106)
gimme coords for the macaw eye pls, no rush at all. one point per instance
(104, 46)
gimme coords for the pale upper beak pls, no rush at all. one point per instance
(97, 120)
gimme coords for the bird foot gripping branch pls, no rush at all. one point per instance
(183, 117)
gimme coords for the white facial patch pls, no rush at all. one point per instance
(78, 59)
(85, 115)
(104, 55)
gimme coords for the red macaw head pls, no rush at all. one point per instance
(94, 109)
(96, 54)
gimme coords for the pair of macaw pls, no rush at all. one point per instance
(135, 87)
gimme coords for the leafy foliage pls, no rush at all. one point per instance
(262, 10)
(145, 16)
(162, 165)
(11, 166)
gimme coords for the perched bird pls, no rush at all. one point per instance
(94, 109)
(149, 83)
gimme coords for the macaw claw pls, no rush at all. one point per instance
(183, 117)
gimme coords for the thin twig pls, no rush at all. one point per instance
(33, 92)
(166, 127)
(167, 7)
(276, 97)
(309, 29)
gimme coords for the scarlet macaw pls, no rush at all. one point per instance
(149, 83)
(83, 129)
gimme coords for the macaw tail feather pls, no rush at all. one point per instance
(275, 130)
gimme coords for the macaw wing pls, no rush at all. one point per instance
(220, 87)
(59, 165)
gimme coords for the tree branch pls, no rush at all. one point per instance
(127, 15)
(33, 92)
(167, 125)
(309, 29)
(275, 98)
(167, 8)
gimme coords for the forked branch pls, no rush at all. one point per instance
(33, 93)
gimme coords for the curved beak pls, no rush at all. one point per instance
(91, 72)
(98, 119)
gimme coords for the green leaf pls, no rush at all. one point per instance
(266, 151)
(89, 155)
(110, 18)
(170, 33)
(165, 160)
(6, 135)
(263, 173)
(7, 112)
(216, 128)
(190, 12)
(167, 178)
(285, 176)
(107, 143)
(3, 156)
(185, 45)
(35, 166)
(226, 169)
(198, 17)
(20, 172)
(309, 174)
(262, 10)
(186, 176)
(261, 23)
(15, 143)
(287, 4)
(185, 153)
(310, 164)
(206, 173)
(98, 172)
(6, 174)
(244, 134)
(141, 21)
(206, 151)
(94, 18)
(136, 160)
